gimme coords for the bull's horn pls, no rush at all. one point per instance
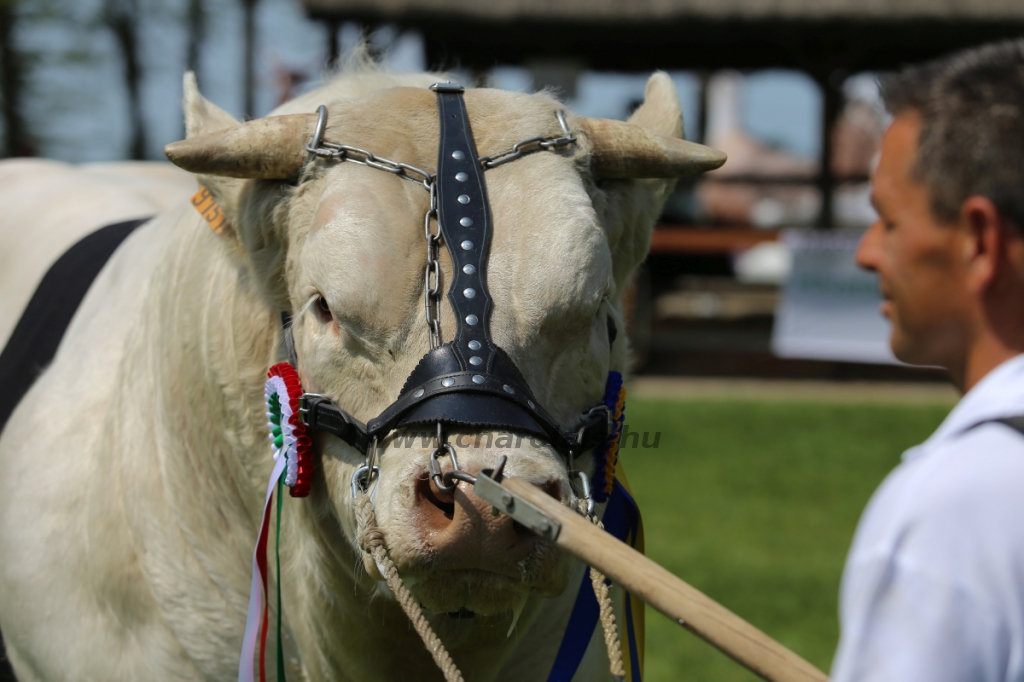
(272, 148)
(624, 150)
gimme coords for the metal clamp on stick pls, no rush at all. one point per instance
(504, 500)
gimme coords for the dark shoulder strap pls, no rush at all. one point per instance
(42, 325)
(1015, 423)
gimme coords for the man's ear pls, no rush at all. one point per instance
(985, 234)
(202, 117)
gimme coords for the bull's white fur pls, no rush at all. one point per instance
(131, 476)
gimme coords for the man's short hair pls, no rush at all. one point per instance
(972, 139)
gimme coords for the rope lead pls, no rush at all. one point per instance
(608, 624)
(372, 540)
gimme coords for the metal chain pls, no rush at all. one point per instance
(531, 145)
(344, 152)
(432, 274)
(434, 465)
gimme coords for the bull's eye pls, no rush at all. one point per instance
(322, 309)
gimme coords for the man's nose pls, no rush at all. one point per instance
(869, 249)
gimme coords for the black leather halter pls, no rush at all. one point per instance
(468, 381)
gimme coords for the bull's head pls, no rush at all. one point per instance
(342, 245)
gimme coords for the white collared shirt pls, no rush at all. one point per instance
(933, 589)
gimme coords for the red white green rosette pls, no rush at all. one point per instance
(288, 435)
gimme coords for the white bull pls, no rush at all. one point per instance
(132, 474)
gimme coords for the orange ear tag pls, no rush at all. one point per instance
(207, 206)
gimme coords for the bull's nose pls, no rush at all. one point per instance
(463, 532)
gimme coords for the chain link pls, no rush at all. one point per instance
(432, 273)
(344, 152)
(531, 145)
(434, 465)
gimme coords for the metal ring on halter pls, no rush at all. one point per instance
(361, 479)
(435, 468)
(459, 475)
(607, 416)
(560, 115)
(585, 485)
(318, 134)
(371, 462)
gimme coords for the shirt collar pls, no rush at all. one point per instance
(1000, 393)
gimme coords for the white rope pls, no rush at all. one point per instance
(372, 540)
(604, 601)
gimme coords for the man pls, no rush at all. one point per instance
(933, 589)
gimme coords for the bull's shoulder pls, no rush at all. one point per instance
(48, 205)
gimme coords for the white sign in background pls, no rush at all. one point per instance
(828, 308)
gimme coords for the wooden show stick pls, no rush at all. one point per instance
(684, 604)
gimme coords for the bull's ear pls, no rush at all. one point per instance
(632, 206)
(203, 117)
(660, 112)
(255, 210)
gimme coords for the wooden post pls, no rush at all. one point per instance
(832, 106)
(249, 58)
(333, 47)
(196, 29)
(700, 132)
(668, 594)
(122, 16)
(11, 81)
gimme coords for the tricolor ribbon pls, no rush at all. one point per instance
(293, 467)
(258, 618)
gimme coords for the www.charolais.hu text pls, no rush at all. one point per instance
(511, 441)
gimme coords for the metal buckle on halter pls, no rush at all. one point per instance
(448, 87)
(590, 413)
(304, 406)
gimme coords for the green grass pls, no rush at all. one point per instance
(755, 504)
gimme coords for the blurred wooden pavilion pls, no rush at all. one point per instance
(827, 39)
(817, 36)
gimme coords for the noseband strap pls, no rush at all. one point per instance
(468, 381)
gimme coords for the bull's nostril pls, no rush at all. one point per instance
(443, 500)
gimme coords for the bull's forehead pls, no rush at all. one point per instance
(548, 254)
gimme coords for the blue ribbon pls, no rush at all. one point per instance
(622, 520)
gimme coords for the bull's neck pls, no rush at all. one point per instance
(194, 456)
